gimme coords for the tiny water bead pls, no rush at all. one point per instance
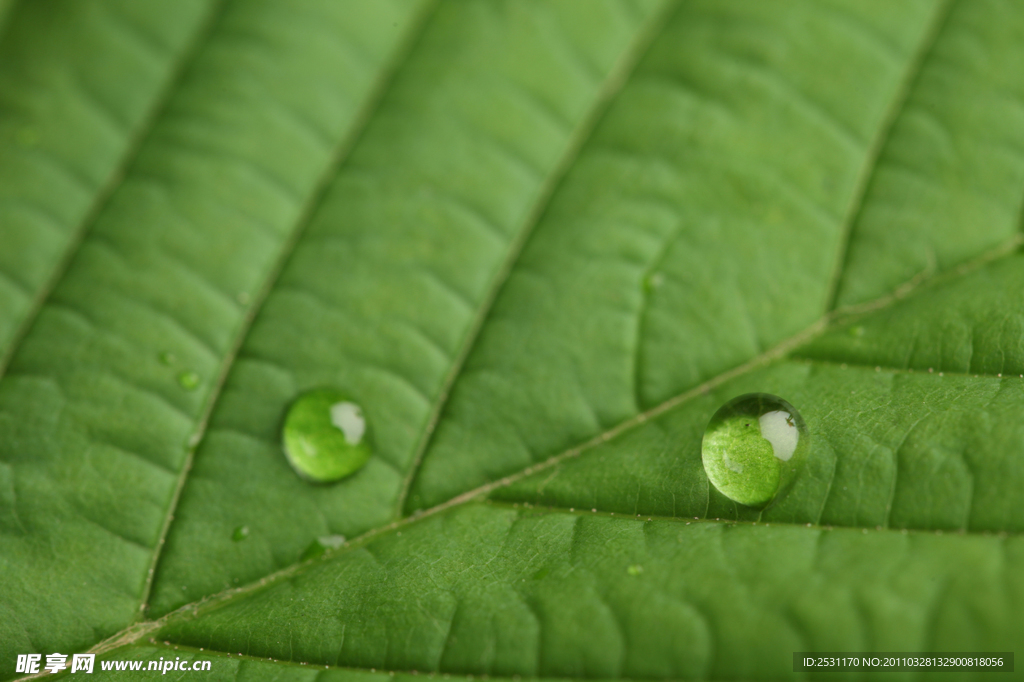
(321, 545)
(325, 436)
(188, 380)
(753, 448)
(240, 533)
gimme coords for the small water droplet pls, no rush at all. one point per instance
(240, 533)
(167, 358)
(188, 380)
(321, 545)
(655, 280)
(325, 436)
(857, 330)
(635, 569)
(331, 541)
(753, 448)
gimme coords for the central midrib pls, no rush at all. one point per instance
(141, 630)
(612, 85)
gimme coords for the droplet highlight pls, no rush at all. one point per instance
(240, 533)
(325, 436)
(188, 380)
(321, 545)
(754, 447)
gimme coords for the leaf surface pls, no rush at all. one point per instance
(539, 243)
(81, 85)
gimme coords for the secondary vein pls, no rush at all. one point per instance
(616, 79)
(113, 182)
(910, 78)
(341, 153)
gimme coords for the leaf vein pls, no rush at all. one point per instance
(910, 78)
(613, 83)
(304, 216)
(114, 181)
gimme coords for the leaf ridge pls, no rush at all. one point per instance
(613, 83)
(305, 214)
(216, 600)
(775, 353)
(469, 342)
(114, 179)
(867, 173)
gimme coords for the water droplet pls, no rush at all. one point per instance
(325, 436)
(331, 541)
(241, 533)
(753, 448)
(655, 280)
(321, 545)
(167, 358)
(188, 380)
(857, 330)
(635, 569)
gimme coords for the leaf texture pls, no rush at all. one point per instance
(98, 425)
(420, 247)
(539, 243)
(80, 86)
(503, 591)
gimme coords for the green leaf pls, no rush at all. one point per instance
(538, 244)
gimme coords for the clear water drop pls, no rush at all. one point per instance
(754, 447)
(188, 380)
(240, 533)
(321, 545)
(325, 436)
(167, 358)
